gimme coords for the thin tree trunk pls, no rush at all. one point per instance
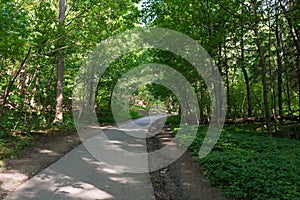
(247, 82)
(11, 82)
(32, 104)
(45, 102)
(287, 83)
(288, 96)
(199, 94)
(169, 106)
(37, 75)
(298, 62)
(227, 82)
(292, 28)
(279, 65)
(246, 77)
(60, 65)
(91, 96)
(295, 36)
(273, 98)
(263, 70)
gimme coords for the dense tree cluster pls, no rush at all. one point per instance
(255, 45)
(42, 47)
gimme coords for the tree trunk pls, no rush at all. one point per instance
(35, 79)
(247, 82)
(295, 36)
(199, 94)
(272, 85)
(246, 77)
(91, 96)
(37, 75)
(60, 65)
(169, 105)
(288, 96)
(298, 61)
(11, 82)
(279, 65)
(263, 70)
(45, 101)
(227, 80)
(292, 28)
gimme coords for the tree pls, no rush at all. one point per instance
(60, 64)
(295, 35)
(262, 66)
(279, 63)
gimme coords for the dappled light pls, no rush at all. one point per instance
(49, 152)
(149, 99)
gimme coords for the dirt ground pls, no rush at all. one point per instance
(181, 180)
(46, 149)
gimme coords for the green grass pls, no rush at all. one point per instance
(11, 146)
(107, 118)
(135, 115)
(247, 164)
(14, 138)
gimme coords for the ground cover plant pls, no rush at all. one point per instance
(248, 164)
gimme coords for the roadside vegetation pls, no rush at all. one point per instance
(249, 164)
(254, 45)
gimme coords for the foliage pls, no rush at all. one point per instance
(244, 164)
(250, 165)
(11, 146)
(29, 82)
(109, 119)
(134, 114)
(174, 122)
(226, 30)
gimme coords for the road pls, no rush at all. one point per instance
(79, 175)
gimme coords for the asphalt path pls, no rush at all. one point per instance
(85, 174)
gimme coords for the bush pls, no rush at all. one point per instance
(174, 120)
(134, 114)
(109, 119)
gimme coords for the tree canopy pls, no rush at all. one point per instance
(255, 45)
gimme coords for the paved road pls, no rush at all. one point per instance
(78, 175)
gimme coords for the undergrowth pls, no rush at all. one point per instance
(247, 164)
(17, 132)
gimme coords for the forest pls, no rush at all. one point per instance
(255, 45)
